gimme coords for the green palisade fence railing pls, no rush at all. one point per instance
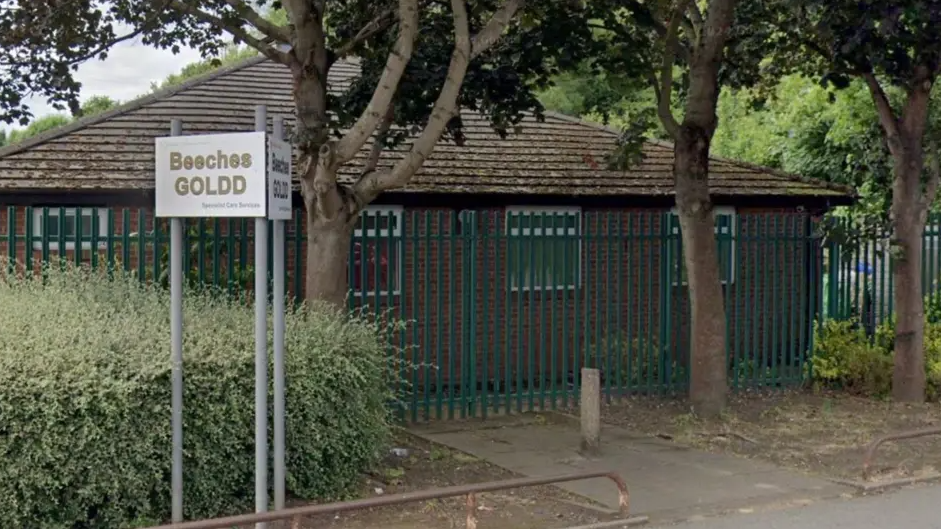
(505, 306)
(858, 282)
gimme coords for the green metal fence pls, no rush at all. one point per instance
(858, 282)
(505, 306)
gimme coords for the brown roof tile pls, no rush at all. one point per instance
(560, 156)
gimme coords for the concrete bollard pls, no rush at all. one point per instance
(591, 411)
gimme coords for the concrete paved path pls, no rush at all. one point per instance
(666, 481)
(907, 508)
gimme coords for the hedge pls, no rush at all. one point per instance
(85, 402)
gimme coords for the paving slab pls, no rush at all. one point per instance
(666, 480)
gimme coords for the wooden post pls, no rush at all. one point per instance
(591, 411)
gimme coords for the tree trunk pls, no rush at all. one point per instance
(908, 377)
(708, 384)
(328, 253)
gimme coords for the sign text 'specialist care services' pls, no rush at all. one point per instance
(219, 175)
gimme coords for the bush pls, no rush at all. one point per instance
(632, 362)
(846, 358)
(885, 336)
(85, 402)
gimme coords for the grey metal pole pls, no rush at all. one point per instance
(176, 353)
(278, 311)
(261, 348)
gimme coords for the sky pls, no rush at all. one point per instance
(125, 74)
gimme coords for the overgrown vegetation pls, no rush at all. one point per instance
(85, 401)
(633, 363)
(849, 359)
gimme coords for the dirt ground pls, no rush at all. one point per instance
(821, 433)
(428, 466)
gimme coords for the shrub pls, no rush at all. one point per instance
(885, 337)
(85, 402)
(845, 358)
(632, 362)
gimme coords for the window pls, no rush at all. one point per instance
(65, 226)
(725, 240)
(544, 248)
(377, 252)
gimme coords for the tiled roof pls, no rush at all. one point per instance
(560, 156)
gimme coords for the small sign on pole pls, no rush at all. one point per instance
(243, 174)
(279, 179)
(279, 210)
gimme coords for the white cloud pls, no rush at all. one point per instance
(125, 74)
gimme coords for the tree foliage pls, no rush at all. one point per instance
(813, 130)
(230, 55)
(91, 106)
(501, 84)
(422, 62)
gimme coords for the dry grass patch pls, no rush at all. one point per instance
(822, 433)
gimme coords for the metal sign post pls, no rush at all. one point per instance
(261, 346)
(176, 353)
(279, 210)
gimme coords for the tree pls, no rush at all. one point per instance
(96, 105)
(416, 57)
(813, 130)
(92, 106)
(886, 45)
(691, 38)
(38, 127)
(818, 131)
(231, 54)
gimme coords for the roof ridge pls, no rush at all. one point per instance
(130, 106)
(743, 164)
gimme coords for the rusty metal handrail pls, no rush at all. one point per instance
(470, 490)
(910, 434)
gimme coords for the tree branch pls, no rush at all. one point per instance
(696, 16)
(492, 32)
(665, 92)
(377, 25)
(692, 30)
(235, 30)
(654, 83)
(273, 31)
(914, 115)
(379, 143)
(372, 184)
(398, 59)
(886, 115)
(715, 30)
(143, 27)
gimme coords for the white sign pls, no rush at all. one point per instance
(279, 179)
(217, 175)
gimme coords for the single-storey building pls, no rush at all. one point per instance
(516, 258)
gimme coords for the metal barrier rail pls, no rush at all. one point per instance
(296, 513)
(910, 434)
